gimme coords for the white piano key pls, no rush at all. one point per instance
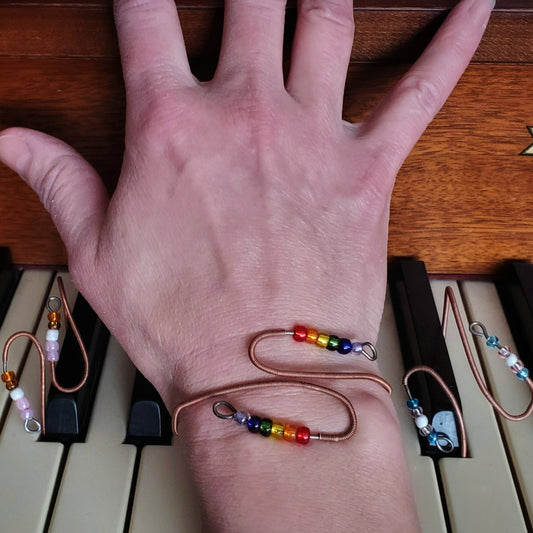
(165, 494)
(483, 304)
(94, 491)
(29, 468)
(23, 315)
(479, 490)
(423, 475)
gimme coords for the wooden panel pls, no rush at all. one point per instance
(381, 35)
(462, 202)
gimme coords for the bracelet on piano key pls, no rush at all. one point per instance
(479, 330)
(425, 429)
(299, 434)
(516, 366)
(50, 353)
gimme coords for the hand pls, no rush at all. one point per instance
(243, 203)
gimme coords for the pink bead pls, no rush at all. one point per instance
(23, 403)
(52, 345)
(52, 355)
(26, 414)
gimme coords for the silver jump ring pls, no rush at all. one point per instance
(53, 304)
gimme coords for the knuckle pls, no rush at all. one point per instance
(338, 13)
(53, 185)
(424, 92)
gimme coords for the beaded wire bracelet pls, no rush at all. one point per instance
(425, 429)
(479, 330)
(264, 426)
(333, 343)
(31, 424)
(231, 412)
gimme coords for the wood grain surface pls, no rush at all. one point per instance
(463, 201)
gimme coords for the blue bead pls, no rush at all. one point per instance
(254, 424)
(523, 374)
(345, 346)
(433, 437)
(413, 403)
(492, 341)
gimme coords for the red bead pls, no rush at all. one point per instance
(302, 435)
(300, 333)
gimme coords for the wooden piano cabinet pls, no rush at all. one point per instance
(463, 199)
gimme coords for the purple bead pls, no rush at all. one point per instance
(26, 414)
(357, 347)
(23, 403)
(241, 417)
(52, 345)
(52, 355)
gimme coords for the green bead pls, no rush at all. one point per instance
(265, 427)
(333, 343)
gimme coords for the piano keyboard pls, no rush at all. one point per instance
(103, 484)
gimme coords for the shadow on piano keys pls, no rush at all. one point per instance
(112, 482)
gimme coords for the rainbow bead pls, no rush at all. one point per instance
(323, 340)
(263, 426)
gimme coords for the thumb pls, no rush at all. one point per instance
(67, 185)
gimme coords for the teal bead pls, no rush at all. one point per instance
(413, 403)
(492, 341)
(523, 374)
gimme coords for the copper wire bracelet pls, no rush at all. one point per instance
(450, 301)
(231, 413)
(31, 424)
(421, 421)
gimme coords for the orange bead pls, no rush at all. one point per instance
(289, 433)
(54, 325)
(10, 379)
(312, 336)
(54, 316)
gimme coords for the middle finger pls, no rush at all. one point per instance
(252, 41)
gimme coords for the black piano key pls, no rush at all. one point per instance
(9, 277)
(149, 420)
(68, 414)
(422, 343)
(515, 289)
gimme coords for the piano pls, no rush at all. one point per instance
(461, 205)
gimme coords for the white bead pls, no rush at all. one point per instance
(421, 421)
(16, 394)
(52, 335)
(511, 359)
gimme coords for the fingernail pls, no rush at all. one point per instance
(480, 10)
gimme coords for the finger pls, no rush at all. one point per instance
(69, 188)
(252, 40)
(404, 114)
(152, 49)
(321, 52)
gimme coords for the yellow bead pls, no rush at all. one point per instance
(289, 433)
(10, 379)
(277, 430)
(312, 336)
(322, 340)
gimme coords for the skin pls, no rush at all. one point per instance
(247, 203)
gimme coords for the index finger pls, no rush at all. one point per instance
(413, 103)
